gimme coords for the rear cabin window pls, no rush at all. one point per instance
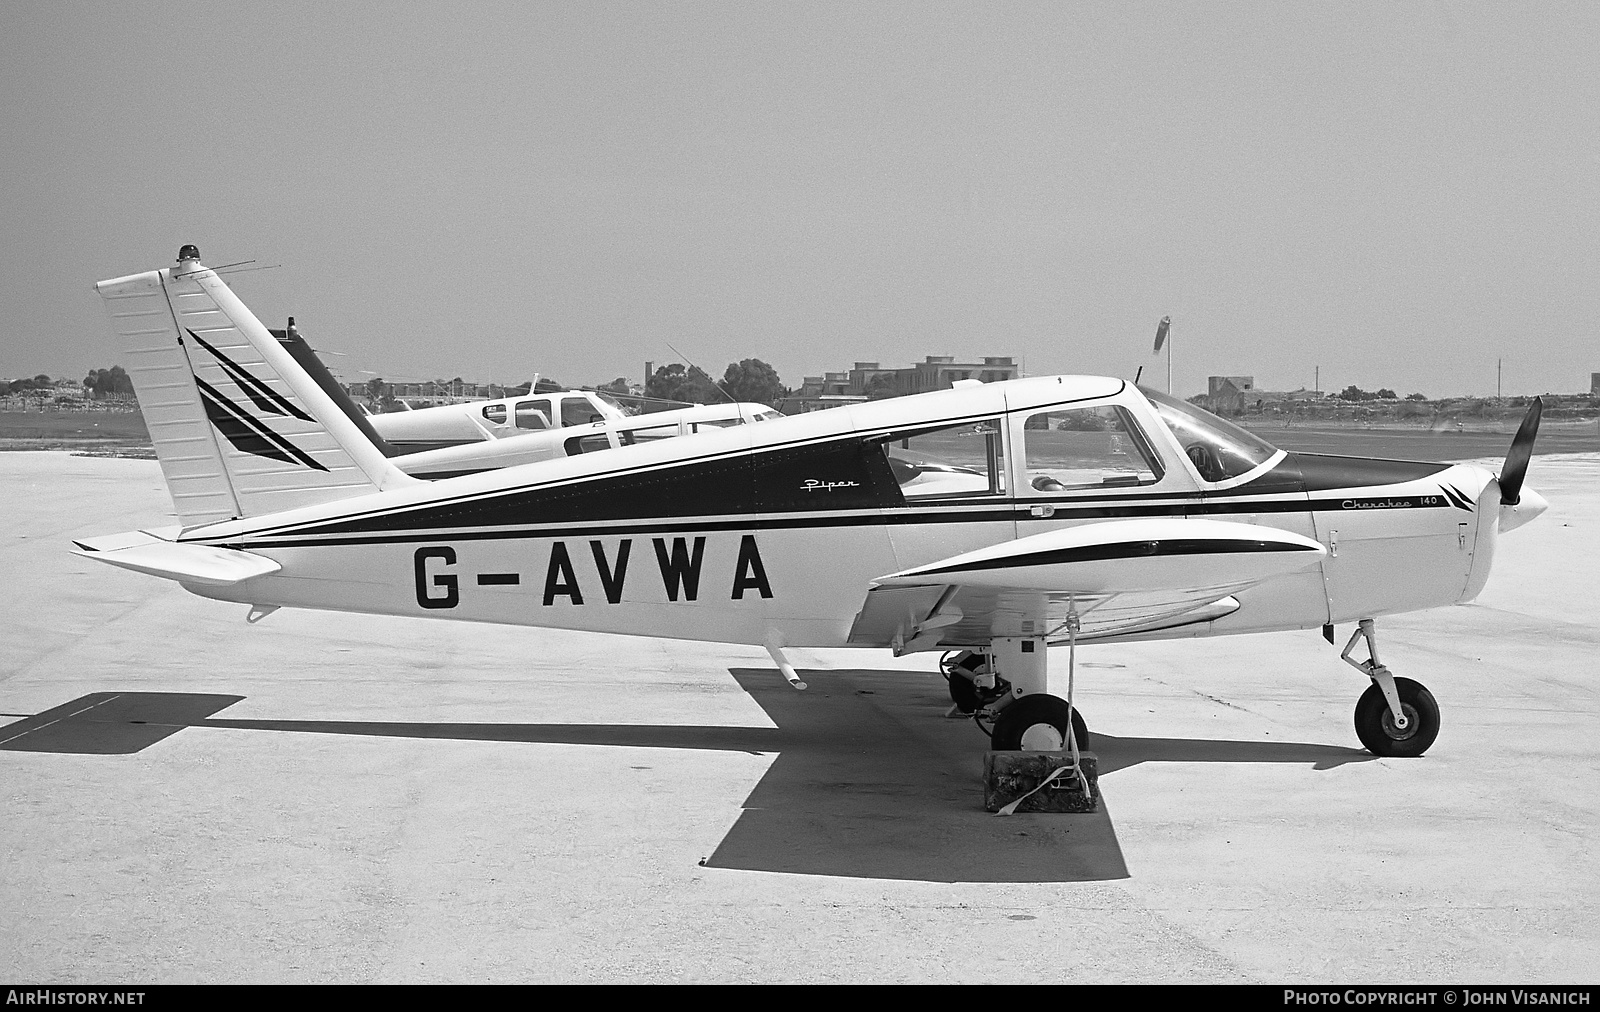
(1083, 448)
(648, 434)
(949, 461)
(533, 414)
(587, 444)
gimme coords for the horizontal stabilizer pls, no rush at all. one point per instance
(186, 563)
(1126, 556)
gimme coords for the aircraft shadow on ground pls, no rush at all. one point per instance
(869, 781)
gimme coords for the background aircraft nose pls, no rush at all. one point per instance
(1529, 506)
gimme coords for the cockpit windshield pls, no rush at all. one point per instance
(1219, 450)
(622, 409)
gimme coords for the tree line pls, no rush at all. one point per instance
(1355, 393)
(98, 383)
(749, 380)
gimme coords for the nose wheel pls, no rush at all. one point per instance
(1383, 735)
(1395, 716)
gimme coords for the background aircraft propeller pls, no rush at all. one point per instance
(1516, 466)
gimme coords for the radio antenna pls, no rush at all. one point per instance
(691, 365)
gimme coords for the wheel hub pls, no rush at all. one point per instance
(1401, 733)
(1042, 738)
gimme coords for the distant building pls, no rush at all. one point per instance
(1594, 384)
(1224, 385)
(431, 394)
(1230, 394)
(940, 372)
(864, 375)
(870, 381)
(826, 391)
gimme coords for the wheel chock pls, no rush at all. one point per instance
(1040, 782)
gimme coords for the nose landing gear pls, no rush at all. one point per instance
(1395, 716)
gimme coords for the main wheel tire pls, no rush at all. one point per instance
(964, 693)
(1038, 723)
(1375, 725)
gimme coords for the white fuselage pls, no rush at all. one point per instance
(773, 533)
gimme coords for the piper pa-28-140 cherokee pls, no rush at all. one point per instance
(989, 522)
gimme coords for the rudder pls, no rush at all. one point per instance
(239, 428)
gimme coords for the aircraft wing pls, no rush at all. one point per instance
(1120, 576)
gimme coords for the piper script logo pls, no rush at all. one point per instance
(814, 485)
(247, 432)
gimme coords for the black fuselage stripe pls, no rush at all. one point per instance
(1096, 508)
(624, 528)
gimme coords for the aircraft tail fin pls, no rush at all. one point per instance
(239, 426)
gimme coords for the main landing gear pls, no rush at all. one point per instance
(1003, 690)
(1395, 716)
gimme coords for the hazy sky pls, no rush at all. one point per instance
(1399, 193)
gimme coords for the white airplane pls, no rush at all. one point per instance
(992, 521)
(457, 439)
(452, 461)
(476, 421)
(508, 417)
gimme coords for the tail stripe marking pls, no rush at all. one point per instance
(246, 433)
(262, 395)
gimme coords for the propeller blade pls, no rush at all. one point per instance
(1161, 332)
(1516, 466)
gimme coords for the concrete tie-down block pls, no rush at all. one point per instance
(1010, 776)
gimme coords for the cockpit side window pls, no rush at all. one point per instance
(578, 411)
(495, 413)
(1081, 448)
(1218, 450)
(949, 461)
